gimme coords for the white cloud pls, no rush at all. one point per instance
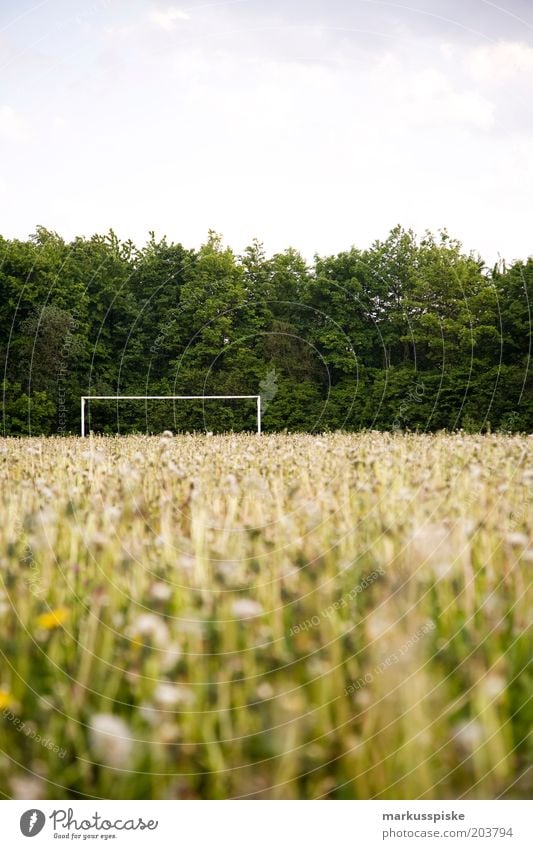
(12, 128)
(437, 101)
(499, 62)
(307, 135)
(167, 18)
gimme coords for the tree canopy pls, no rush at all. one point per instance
(406, 334)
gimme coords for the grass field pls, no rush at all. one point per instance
(339, 616)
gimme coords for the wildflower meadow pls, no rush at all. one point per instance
(282, 616)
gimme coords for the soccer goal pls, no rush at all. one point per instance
(86, 398)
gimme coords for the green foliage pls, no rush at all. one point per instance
(23, 413)
(406, 335)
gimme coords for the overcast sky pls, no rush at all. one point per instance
(313, 123)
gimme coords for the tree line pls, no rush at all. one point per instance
(408, 334)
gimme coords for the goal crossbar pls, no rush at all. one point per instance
(85, 398)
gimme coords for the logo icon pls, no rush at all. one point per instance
(32, 822)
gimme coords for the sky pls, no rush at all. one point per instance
(317, 124)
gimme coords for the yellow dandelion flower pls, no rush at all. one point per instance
(52, 619)
(5, 699)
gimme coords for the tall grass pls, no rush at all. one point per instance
(340, 616)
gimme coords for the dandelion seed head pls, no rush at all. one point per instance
(151, 626)
(469, 735)
(246, 608)
(264, 691)
(160, 591)
(173, 695)
(28, 787)
(518, 539)
(110, 740)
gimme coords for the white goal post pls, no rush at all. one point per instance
(85, 398)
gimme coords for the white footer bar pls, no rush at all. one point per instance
(268, 825)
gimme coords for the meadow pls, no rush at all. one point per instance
(286, 616)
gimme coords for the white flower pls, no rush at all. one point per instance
(254, 481)
(469, 735)
(129, 472)
(160, 591)
(431, 545)
(188, 624)
(264, 691)
(149, 713)
(245, 608)
(493, 685)
(187, 562)
(27, 787)
(168, 732)
(231, 485)
(517, 538)
(97, 538)
(113, 512)
(152, 626)
(94, 454)
(232, 573)
(110, 740)
(378, 624)
(169, 656)
(171, 695)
